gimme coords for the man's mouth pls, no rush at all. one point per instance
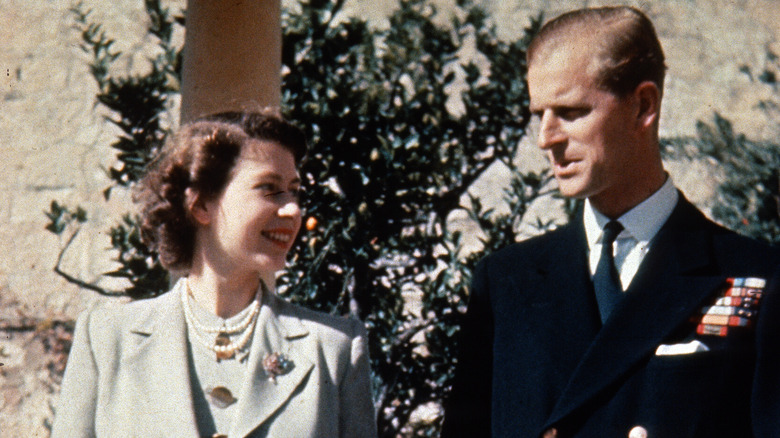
(564, 167)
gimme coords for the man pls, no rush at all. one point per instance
(672, 330)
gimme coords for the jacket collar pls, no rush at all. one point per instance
(280, 332)
(666, 291)
(159, 367)
(162, 372)
(561, 283)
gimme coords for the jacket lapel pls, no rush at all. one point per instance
(261, 398)
(161, 370)
(667, 289)
(564, 289)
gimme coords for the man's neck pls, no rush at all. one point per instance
(618, 202)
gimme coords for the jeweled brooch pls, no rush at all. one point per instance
(276, 364)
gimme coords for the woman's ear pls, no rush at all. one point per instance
(197, 207)
(649, 98)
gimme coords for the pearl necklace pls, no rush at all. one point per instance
(222, 346)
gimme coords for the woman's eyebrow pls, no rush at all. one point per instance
(275, 176)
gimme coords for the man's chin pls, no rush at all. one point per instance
(573, 191)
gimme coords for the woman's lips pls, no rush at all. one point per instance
(281, 237)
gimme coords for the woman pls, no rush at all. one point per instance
(220, 354)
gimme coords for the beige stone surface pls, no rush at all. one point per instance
(53, 145)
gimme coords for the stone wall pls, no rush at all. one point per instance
(54, 147)
(54, 141)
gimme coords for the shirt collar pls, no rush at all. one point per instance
(641, 222)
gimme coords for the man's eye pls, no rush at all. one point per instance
(570, 114)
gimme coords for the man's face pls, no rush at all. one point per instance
(588, 133)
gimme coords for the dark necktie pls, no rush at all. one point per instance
(606, 281)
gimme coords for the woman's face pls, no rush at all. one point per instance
(251, 225)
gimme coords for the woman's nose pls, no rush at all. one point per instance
(290, 209)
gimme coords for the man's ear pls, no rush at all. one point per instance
(648, 96)
(198, 207)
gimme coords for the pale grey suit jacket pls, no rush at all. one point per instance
(128, 375)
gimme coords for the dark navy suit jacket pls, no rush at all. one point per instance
(535, 356)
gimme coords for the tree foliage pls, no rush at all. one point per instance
(391, 160)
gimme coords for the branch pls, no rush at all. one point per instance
(335, 10)
(80, 283)
(405, 338)
(27, 324)
(349, 289)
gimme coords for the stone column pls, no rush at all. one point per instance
(232, 56)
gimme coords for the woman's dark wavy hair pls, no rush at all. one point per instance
(198, 162)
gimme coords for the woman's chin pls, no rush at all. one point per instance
(268, 267)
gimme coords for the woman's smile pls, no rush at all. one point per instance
(282, 237)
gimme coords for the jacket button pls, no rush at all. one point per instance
(220, 397)
(550, 433)
(638, 432)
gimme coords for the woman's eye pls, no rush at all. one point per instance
(275, 192)
(266, 188)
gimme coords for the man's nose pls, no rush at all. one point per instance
(549, 130)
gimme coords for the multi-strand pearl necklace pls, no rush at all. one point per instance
(221, 344)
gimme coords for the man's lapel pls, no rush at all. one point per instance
(162, 377)
(670, 284)
(261, 396)
(563, 289)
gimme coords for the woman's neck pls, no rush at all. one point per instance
(223, 295)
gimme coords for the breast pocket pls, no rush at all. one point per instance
(704, 389)
(697, 362)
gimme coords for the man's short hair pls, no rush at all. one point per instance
(623, 41)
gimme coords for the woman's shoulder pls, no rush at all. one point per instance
(112, 318)
(321, 323)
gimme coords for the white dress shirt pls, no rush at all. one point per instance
(640, 225)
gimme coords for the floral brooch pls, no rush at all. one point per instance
(276, 364)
